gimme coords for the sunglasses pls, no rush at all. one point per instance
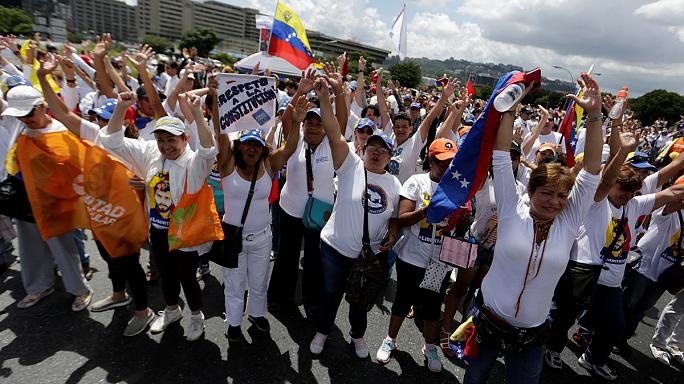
(367, 131)
(29, 115)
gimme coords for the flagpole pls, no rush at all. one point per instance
(273, 22)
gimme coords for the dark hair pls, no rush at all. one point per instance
(374, 107)
(291, 84)
(628, 179)
(401, 116)
(237, 154)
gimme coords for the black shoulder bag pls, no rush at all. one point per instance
(370, 272)
(225, 252)
(14, 201)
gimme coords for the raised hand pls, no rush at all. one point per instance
(47, 65)
(126, 99)
(591, 95)
(306, 83)
(321, 88)
(139, 61)
(212, 85)
(67, 66)
(334, 77)
(450, 87)
(341, 59)
(298, 108)
(103, 45)
(362, 63)
(194, 101)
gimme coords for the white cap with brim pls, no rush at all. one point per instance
(21, 100)
(172, 125)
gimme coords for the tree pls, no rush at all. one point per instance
(74, 37)
(203, 39)
(158, 43)
(658, 103)
(225, 58)
(408, 74)
(15, 21)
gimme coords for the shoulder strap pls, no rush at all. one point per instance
(250, 194)
(366, 237)
(681, 232)
(620, 229)
(309, 171)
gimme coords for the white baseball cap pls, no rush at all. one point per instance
(172, 125)
(21, 100)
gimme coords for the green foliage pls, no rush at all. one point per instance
(408, 74)
(158, 43)
(203, 39)
(15, 21)
(74, 37)
(658, 103)
(225, 58)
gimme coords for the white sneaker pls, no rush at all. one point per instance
(316, 346)
(360, 347)
(164, 319)
(196, 327)
(434, 363)
(660, 354)
(384, 353)
(603, 371)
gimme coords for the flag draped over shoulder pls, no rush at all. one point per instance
(74, 184)
(468, 168)
(288, 38)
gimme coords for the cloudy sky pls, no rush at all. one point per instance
(638, 43)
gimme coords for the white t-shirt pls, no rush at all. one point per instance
(616, 257)
(294, 195)
(650, 184)
(553, 138)
(509, 276)
(405, 156)
(485, 206)
(422, 241)
(344, 230)
(521, 123)
(660, 246)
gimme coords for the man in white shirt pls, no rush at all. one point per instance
(523, 120)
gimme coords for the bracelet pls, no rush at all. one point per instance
(593, 119)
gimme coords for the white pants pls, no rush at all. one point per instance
(670, 327)
(253, 265)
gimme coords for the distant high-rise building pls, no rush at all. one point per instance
(94, 17)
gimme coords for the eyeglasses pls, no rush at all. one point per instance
(29, 115)
(367, 131)
(378, 150)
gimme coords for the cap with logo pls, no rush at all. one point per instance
(170, 124)
(442, 149)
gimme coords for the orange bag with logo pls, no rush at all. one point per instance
(194, 220)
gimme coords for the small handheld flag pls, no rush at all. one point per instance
(468, 168)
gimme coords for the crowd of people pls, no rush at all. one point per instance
(556, 244)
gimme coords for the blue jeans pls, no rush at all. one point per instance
(336, 269)
(80, 239)
(608, 319)
(523, 367)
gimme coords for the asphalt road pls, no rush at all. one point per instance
(50, 344)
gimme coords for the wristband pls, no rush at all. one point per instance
(593, 119)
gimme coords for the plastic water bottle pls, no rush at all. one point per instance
(619, 106)
(509, 96)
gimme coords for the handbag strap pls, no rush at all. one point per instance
(618, 232)
(366, 237)
(250, 194)
(309, 171)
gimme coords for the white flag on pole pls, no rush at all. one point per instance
(398, 33)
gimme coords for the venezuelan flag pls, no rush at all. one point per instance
(288, 38)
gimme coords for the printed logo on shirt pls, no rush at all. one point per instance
(321, 159)
(617, 254)
(393, 167)
(672, 253)
(377, 199)
(159, 197)
(425, 230)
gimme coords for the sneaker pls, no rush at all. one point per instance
(138, 324)
(676, 354)
(202, 271)
(81, 302)
(384, 353)
(434, 363)
(260, 322)
(553, 359)
(316, 346)
(234, 333)
(660, 354)
(603, 371)
(87, 271)
(360, 347)
(580, 339)
(196, 327)
(164, 319)
(31, 300)
(108, 303)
